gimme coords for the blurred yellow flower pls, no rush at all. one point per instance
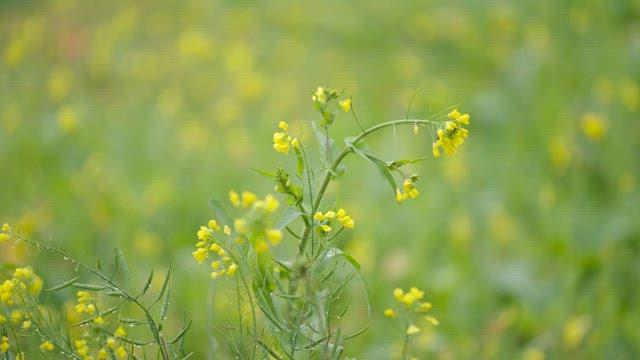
(345, 105)
(67, 120)
(593, 126)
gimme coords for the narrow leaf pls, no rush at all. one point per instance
(90, 287)
(64, 284)
(147, 285)
(287, 218)
(123, 263)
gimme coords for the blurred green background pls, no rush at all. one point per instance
(120, 119)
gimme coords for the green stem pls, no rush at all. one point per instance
(334, 166)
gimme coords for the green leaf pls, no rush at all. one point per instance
(89, 287)
(324, 143)
(64, 284)
(299, 162)
(264, 173)
(379, 164)
(147, 285)
(123, 263)
(165, 284)
(397, 164)
(221, 213)
(287, 218)
(165, 304)
(180, 334)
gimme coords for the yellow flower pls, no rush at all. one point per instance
(83, 296)
(345, 105)
(204, 233)
(424, 307)
(262, 246)
(200, 255)
(90, 309)
(348, 222)
(410, 189)
(319, 95)
(454, 114)
(274, 236)
(215, 247)
(398, 294)
(318, 216)
(295, 142)
(400, 197)
(283, 126)
(227, 230)
(417, 293)
(36, 285)
(248, 198)
(26, 324)
(103, 354)
(234, 198)
(111, 342)
(6, 227)
(453, 134)
(81, 347)
(3, 237)
(231, 270)
(215, 265)
(271, 204)
(4, 344)
(435, 147)
(281, 142)
(121, 352)
(99, 320)
(593, 126)
(390, 313)
(46, 346)
(431, 320)
(329, 215)
(16, 316)
(241, 226)
(412, 330)
(120, 332)
(213, 225)
(326, 228)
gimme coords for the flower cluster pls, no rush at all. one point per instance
(282, 141)
(323, 94)
(5, 233)
(4, 344)
(413, 308)
(453, 134)
(14, 293)
(409, 189)
(207, 244)
(327, 220)
(112, 345)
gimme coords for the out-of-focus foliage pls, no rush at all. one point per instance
(120, 119)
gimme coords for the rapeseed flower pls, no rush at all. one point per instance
(46, 346)
(452, 135)
(345, 105)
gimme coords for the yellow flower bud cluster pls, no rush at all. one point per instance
(247, 199)
(23, 281)
(409, 190)
(414, 307)
(327, 220)
(207, 245)
(4, 344)
(5, 233)
(282, 141)
(453, 134)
